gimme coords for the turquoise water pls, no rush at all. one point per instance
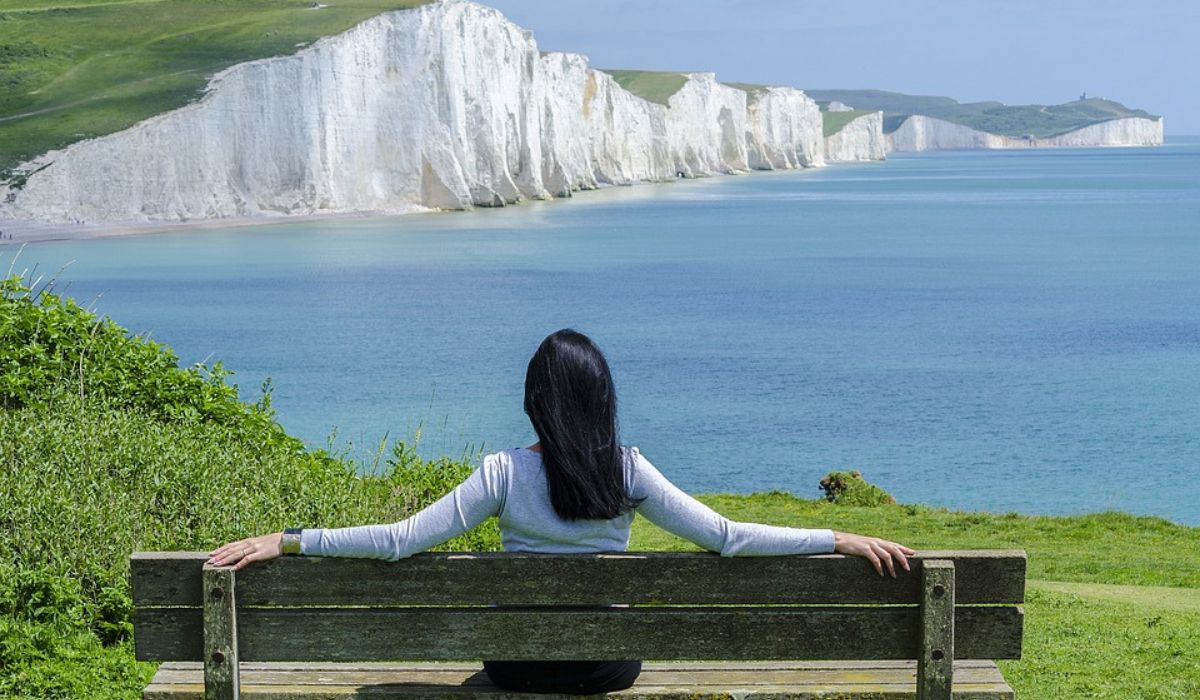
(1003, 331)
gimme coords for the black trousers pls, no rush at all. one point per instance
(574, 677)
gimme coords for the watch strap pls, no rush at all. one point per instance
(290, 544)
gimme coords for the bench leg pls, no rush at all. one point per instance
(221, 680)
(935, 666)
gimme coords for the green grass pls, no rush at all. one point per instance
(653, 86)
(1151, 597)
(76, 70)
(107, 446)
(993, 117)
(833, 122)
(748, 87)
(1113, 602)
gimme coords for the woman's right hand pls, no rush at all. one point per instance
(881, 553)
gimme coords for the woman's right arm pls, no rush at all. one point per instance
(477, 498)
(667, 506)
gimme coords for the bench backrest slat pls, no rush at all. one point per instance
(173, 578)
(444, 607)
(435, 634)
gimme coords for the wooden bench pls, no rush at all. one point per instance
(307, 627)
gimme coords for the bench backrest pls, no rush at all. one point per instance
(961, 605)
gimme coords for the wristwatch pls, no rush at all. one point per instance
(290, 544)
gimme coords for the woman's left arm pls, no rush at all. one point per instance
(476, 499)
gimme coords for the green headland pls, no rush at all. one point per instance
(1018, 121)
(108, 446)
(83, 68)
(833, 122)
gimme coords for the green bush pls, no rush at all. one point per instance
(108, 447)
(851, 489)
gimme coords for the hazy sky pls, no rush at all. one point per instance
(1141, 53)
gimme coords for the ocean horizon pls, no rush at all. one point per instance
(1001, 331)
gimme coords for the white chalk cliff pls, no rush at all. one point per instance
(922, 133)
(860, 139)
(448, 105)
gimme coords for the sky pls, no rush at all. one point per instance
(1145, 54)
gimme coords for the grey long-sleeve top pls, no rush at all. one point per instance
(512, 485)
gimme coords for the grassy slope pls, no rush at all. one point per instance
(833, 122)
(1113, 602)
(994, 117)
(748, 87)
(655, 86)
(73, 70)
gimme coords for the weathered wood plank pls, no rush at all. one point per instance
(473, 666)
(172, 578)
(935, 666)
(475, 676)
(377, 634)
(220, 635)
(408, 692)
(662, 681)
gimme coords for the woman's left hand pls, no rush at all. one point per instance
(240, 553)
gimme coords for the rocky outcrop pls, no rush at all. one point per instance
(921, 133)
(448, 105)
(860, 139)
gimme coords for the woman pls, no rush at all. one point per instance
(574, 491)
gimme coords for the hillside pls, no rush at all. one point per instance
(650, 85)
(832, 122)
(83, 68)
(1017, 121)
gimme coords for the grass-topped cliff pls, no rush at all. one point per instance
(75, 69)
(107, 446)
(833, 122)
(650, 85)
(1017, 121)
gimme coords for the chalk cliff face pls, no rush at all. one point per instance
(783, 130)
(859, 139)
(921, 133)
(446, 106)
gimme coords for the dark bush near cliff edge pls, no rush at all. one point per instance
(851, 489)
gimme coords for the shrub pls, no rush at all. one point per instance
(107, 446)
(851, 489)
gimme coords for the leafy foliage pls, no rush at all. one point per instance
(107, 446)
(51, 346)
(851, 489)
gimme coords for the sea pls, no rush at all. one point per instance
(1000, 331)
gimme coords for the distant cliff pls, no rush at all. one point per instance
(858, 139)
(921, 122)
(448, 105)
(921, 133)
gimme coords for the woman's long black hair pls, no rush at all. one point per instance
(570, 399)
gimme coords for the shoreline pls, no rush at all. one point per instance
(24, 231)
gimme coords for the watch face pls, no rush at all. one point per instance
(290, 544)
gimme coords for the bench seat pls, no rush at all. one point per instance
(795, 680)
